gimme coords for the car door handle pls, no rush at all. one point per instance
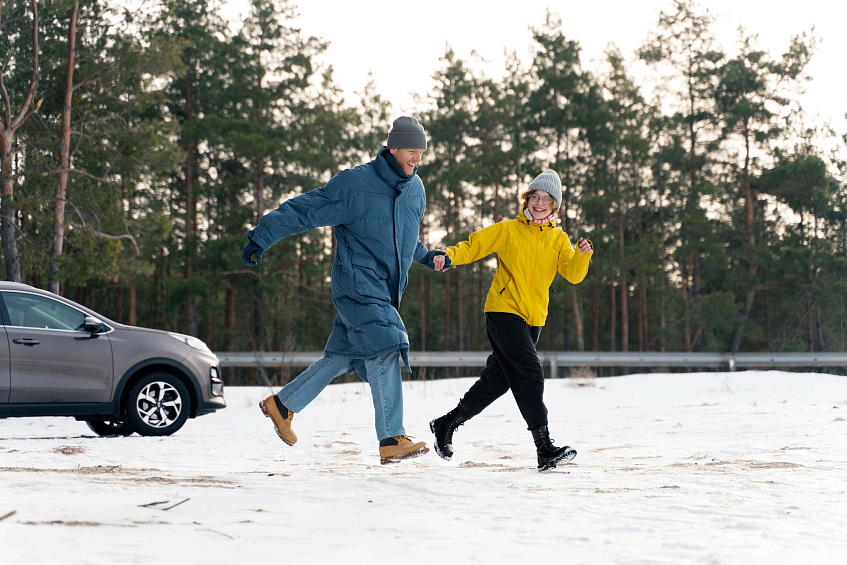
(28, 341)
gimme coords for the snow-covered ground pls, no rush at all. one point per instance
(717, 468)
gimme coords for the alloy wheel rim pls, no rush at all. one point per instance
(159, 404)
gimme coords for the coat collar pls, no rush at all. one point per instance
(522, 218)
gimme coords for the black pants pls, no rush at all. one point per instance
(514, 365)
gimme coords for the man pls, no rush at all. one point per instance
(376, 209)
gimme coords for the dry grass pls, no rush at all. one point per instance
(582, 376)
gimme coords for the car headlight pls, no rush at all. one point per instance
(191, 341)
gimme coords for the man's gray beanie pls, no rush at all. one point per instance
(548, 182)
(406, 133)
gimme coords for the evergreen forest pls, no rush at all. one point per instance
(137, 147)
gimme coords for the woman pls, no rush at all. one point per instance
(530, 251)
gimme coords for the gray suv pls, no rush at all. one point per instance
(58, 358)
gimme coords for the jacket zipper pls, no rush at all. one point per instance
(532, 279)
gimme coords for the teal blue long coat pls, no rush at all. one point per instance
(377, 210)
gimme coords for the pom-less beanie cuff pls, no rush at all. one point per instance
(406, 133)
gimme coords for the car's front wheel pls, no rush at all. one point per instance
(158, 404)
(110, 427)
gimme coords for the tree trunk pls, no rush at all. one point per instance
(133, 306)
(696, 285)
(448, 311)
(57, 246)
(7, 202)
(821, 344)
(810, 329)
(8, 126)
(460, 312)
(613, 313)
(597, 311)
(424, 316)
(686, 307)
(624, 311)
(260, 328)
(190, 216)
(749, 206)
(230, 317)
(578, 326)
(479, 306)
(260, 189)
(663, 321)
(624, 286)
(644, 312)
(119, 313)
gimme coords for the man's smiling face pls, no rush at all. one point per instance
(407, 158)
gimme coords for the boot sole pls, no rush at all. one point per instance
(437, 450)
(398, 458)
(276, 429)
(566, 457)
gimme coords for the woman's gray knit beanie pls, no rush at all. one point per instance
(548, 182)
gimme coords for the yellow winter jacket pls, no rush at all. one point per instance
(529, 255)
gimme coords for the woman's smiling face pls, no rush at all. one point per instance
(540, 204)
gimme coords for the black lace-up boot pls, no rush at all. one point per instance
(548, 454)
(443, 429)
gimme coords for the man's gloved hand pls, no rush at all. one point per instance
(252, 253)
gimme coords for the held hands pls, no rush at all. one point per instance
(584, 246)
(252, 253)
(440, 262)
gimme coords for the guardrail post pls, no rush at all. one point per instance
(554, 367)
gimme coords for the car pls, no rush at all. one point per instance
(59, 358)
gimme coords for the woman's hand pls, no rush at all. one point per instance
(584, 245)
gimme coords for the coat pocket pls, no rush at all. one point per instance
(370, 278)
(505, 286)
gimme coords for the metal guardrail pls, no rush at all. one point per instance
(556, 359)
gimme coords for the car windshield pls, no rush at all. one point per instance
(33, 311)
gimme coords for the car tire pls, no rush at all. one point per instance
(110, 427)
(158, 404)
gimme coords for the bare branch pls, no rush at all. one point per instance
(253, 272)
(85, 83)
(23, 203)
(13, 512)
(8, 119)
(130, 237)
(177, 504)
(33, 80)
(32, 110)
(89, 175)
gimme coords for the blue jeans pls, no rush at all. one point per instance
(382, 373)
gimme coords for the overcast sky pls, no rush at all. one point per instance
(401, 43)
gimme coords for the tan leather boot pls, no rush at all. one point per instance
(271, 408)
(393, 449)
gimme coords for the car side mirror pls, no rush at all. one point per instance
(93, 325)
